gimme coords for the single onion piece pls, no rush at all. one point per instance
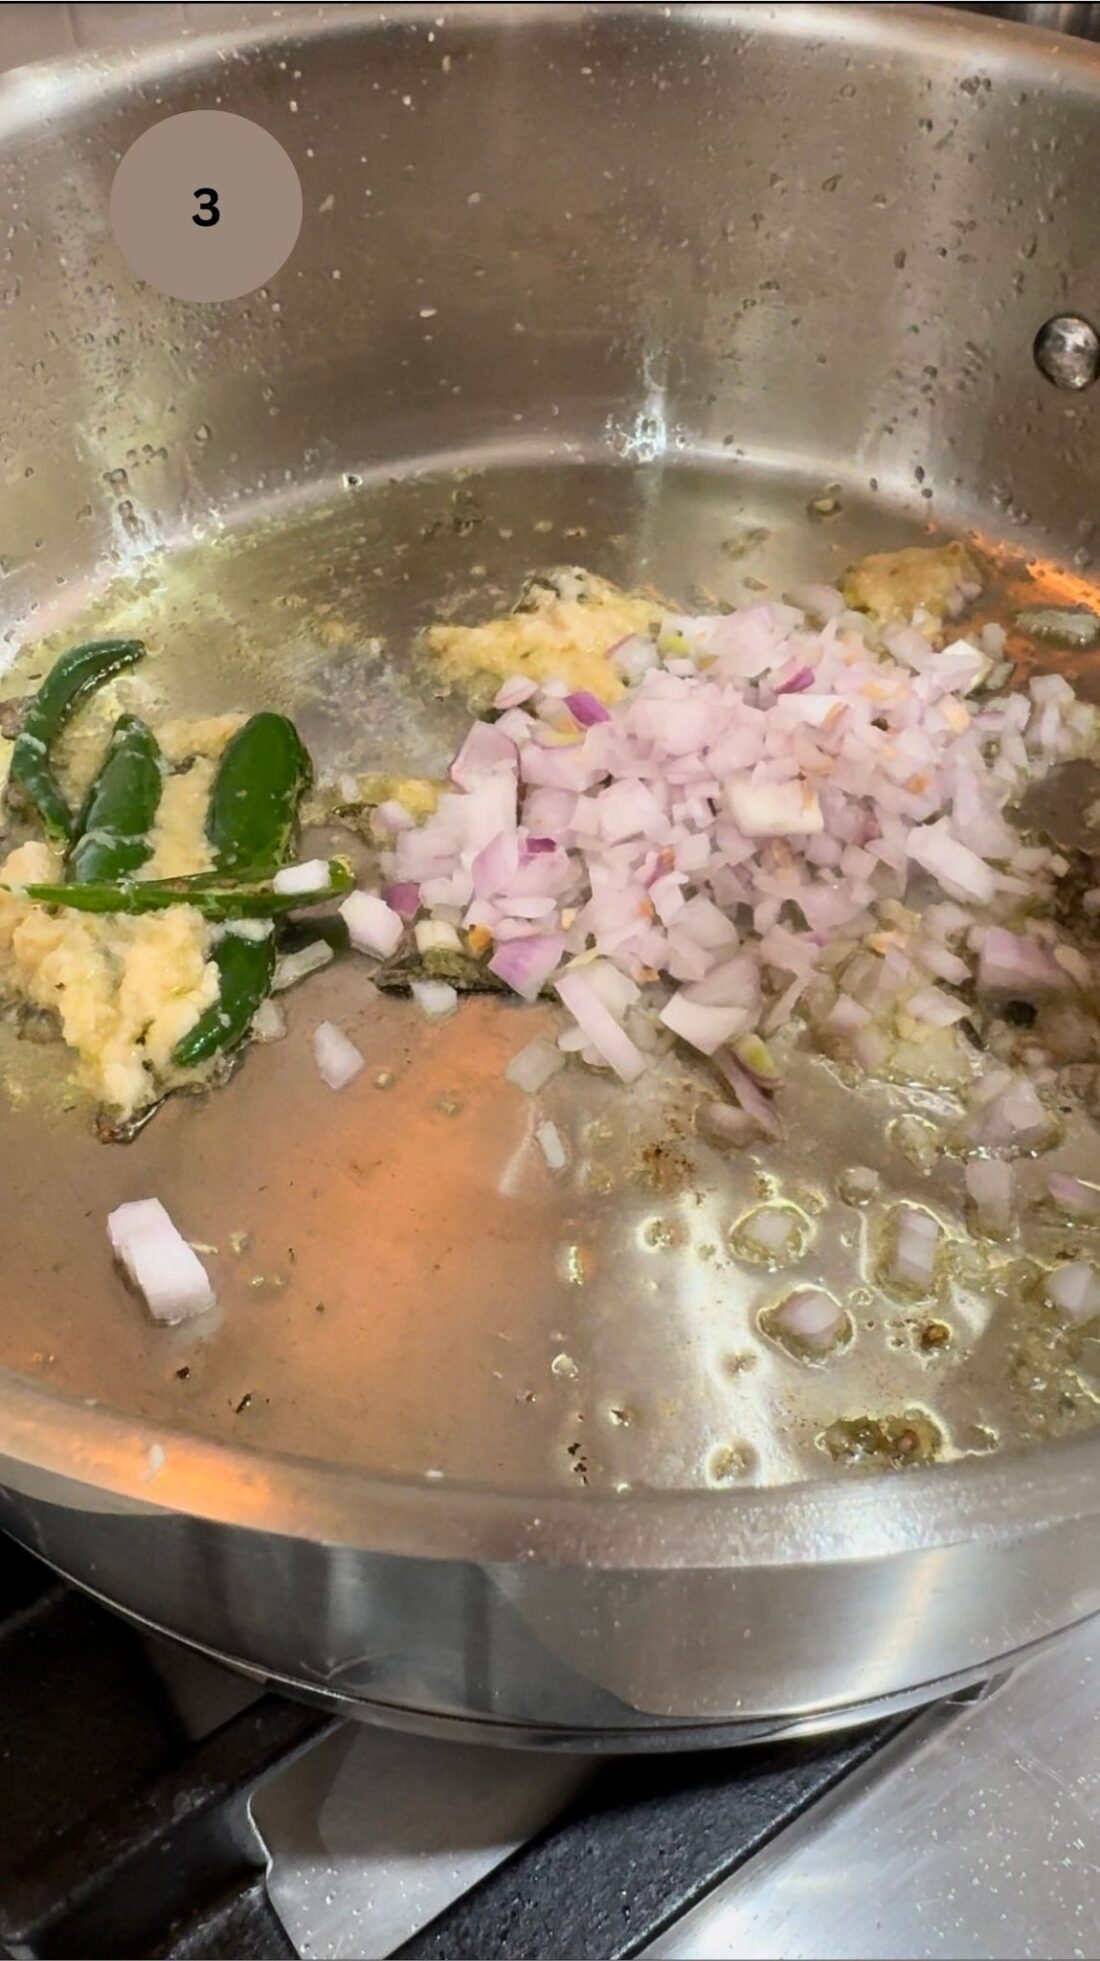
(392, 816)
(749, 1094)
(548, 1139)
(336, 1056)
(586, 709)
(434, 998)
(514, 691)
(373, 926)
(486, 752)
(600, 1027)
(290, 968)
(821, 601)
(858, 1184)
(1074, 963)
(735, 984)
(1080, 1200)
(436, 936)
(526, 965)
(958, 869)
(424, 854)
(628, 809)
(725, 1125)
(166, 1271)
(496, 864)
(772, 810)
(914, 1256)
(574, 1041)
(532, 1068)
(706, 924)
(706, 1028)
(1014, 1117)
(516, 724)
(941, 962)
(812, 1317)
(771, 1229)
(616, 990)
(845, 1017)
(798, 682)
(268, 1022)
(249, 929)
(992, 1188)
(1075, 1290)
(960, 667)
(1013, 963)
(937, 1010)
(634, 656)
(871, 1047)
(313, 876)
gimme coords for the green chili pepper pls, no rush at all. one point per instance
(263, 773)
(246, 968)
(75, 675)
(208, 893)
(121, 807)
(251, 822)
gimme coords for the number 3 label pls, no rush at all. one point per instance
(207, 213)
(183, 236)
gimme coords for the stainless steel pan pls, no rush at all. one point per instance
(631, 286)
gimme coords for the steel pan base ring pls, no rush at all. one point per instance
(646, 1735)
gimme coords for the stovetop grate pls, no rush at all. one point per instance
(652, 1837)
(120, 1835)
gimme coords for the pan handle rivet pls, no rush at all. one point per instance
(1067, 351)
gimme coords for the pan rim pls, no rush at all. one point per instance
(147, 1469)
(84, 79)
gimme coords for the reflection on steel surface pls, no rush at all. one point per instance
(976, 1836)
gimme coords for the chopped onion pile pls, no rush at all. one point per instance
(157, 1258)
(781, 794)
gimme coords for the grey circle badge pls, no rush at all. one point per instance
(206, 206)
